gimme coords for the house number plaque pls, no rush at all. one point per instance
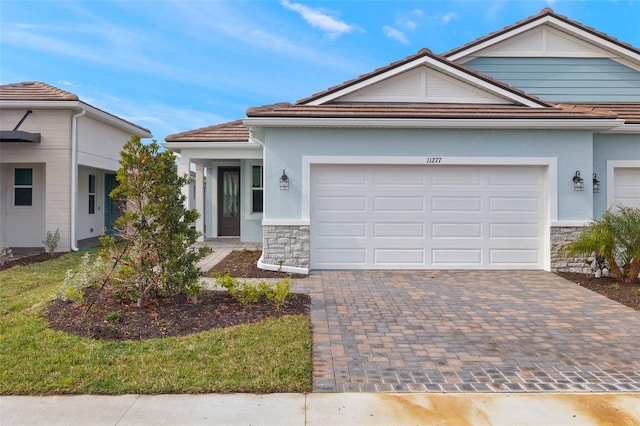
(434, 160)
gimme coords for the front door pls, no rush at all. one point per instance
(113, 209)
(229, 201)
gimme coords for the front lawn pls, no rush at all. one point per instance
(270, 356)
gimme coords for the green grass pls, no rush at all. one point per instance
(271, 356)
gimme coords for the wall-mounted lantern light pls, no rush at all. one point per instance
(284, 182)
(578, 182)
(596, 183)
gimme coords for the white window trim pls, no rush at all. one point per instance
(248, 197)
(94, 193)
(13, 189)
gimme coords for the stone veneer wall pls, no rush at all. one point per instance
(559, 236)
(286, 243)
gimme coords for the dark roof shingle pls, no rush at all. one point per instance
(34, 91)
(233, 131)
(424, 111)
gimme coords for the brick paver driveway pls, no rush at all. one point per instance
(456, 331)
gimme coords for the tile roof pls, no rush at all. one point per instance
(423, 53)
(34, 91)
(233, 131)
(630, 112)
(543, 13)
(424, 111)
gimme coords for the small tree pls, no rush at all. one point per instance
(616, 238)
(156, 226)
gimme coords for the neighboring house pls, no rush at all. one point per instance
(487, 157)
(58, 159)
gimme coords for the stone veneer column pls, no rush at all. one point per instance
(288, 244)
(561, 235)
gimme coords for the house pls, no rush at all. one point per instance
(489, 156)
(58, 159)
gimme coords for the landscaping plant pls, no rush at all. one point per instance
(158, 257)
(616, 238)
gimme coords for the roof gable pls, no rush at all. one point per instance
(423, 84)
(547, 34)
(424, 78)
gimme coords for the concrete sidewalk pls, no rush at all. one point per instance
(325, 409)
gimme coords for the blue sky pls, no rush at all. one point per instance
(173, 66)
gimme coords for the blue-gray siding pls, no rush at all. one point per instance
(565, 79)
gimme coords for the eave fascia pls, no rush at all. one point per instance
(92, 111)
(426, 123)
(176, 146)
(439, 66)
(598, 41)
(625, 129)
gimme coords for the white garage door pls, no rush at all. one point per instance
(427, 217)
(626, 189)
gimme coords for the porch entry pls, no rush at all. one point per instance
(229, 201)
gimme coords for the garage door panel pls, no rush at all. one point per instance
(514, 205)
(455, 177)
(457, 257)
(351, 257)
(399, 256)
(515, 230)
(456, 230)
(515, 176)
(342, 230)
(458, 217)
(442, 204)
(398, 230)
(392, 176)
(341, 204)
(514, 257)
(342, 177)
(398, 204)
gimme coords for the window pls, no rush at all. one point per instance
(23, 187)
(92, 194)
(256, 189)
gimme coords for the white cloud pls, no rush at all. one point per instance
(448, 17)
(319, 19)
(410, 21)
(395, 34)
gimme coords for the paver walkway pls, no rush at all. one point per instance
(476, 331)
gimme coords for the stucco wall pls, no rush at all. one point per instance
(611, 147)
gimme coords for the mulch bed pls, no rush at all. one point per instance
(102, 315)
(243, 264)
(624, 293)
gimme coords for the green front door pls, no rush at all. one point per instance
(113, 209)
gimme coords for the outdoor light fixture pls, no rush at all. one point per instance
(284, 181)
(596, 183)
(578, 182)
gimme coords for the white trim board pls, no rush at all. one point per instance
(611, 166)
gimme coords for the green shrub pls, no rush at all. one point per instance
(5, 252)
(616, 238)
(91, 272)
(51, 241)
(247, 292)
